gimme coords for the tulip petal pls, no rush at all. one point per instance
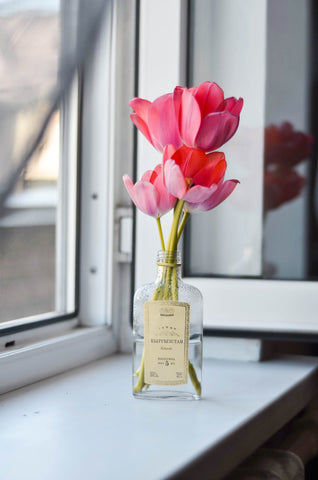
(177, 96)
(141, 107)
(158, 169)
(216, 129)
(129, 186)
(209, 96)
(213, 171)
(142, 126)
(146, 198)
(238, 107)
(223, 191)
(232, 105)
(162, 123)
(149, 176)
(166, 200)
(190, 160)
(144, 195)
(199, 194)
(174, 179)
(189, 119)
(168, 152)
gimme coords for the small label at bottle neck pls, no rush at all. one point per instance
(166, 342)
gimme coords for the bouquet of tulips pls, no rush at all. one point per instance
(187, 126)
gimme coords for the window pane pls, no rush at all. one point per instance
(42, 45)
(266, 228)
(288, 142)
(28, 233)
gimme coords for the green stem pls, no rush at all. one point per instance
(194, 378)
(172, 247)
(140, 374)
(182, 225)
(174, 284)
(160, 233)
(173, 237)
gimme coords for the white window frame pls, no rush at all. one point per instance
(104, 291)
(278, 306)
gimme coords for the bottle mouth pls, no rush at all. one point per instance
(169, 258)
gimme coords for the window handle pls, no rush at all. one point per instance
(124, 234)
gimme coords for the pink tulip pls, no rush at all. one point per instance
(150, 194)
(223, 190)
(157, 121)
(197, 117)
(196, 177)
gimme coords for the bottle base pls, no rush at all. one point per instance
(166, 395)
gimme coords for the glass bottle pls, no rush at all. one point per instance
(167, 335)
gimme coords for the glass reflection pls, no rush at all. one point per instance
(284, 149)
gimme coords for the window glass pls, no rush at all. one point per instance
(268, 227)
(28, 233)
(43, 45)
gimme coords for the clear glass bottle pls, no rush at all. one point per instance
(167, 335)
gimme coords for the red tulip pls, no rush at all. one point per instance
(150, 194)
(197, 117)
(196, 177)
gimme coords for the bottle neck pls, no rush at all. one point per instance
(168, 261)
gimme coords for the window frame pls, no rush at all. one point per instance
(233, 307)
(28, 355)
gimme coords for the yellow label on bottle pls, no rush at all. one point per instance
(166, 342)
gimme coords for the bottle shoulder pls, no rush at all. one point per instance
(146, 291)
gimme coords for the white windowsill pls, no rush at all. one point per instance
(64, 347)
(85, 424)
